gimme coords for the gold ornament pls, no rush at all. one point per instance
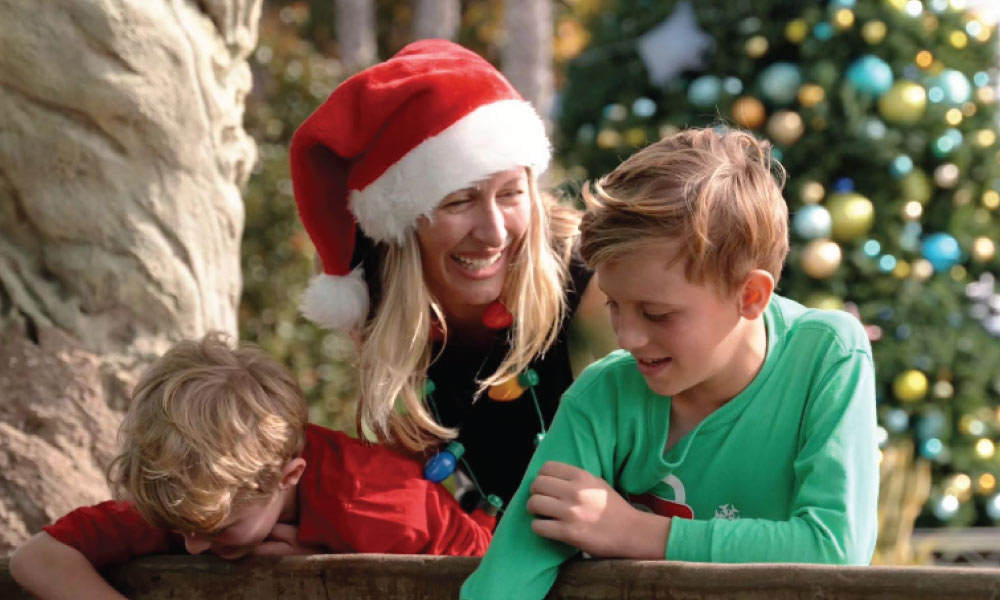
(924, 59)
(811, 94)
(796, 31)
(899, 5)
(958, 273)
(901, 270)
(910, 386)
(609, 138)
(749, 112)
(960, 486)
(852, 215)
(962, 197)
(985, 138)
(916, 186)
(843, 18)
(985, 95)
(785, 127)
(985, 448)
(983, 249)
(905, 102)
(991, 199)
(756, 46)
(958, 39)
(824, 301)
(946, 175)
(969, 109)
(943, 389)
(930, 23)
(636, 137)
(874, 32)
(987, 482)
(954, 117)
(922, 269)
(912, 210)
(812, 192)
(821, 258)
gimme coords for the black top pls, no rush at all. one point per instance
(499, 437)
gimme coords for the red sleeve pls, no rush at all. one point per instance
(110, 533)
(371, 499)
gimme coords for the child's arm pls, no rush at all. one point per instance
(520, 563)
(833, 517)
(50, 569)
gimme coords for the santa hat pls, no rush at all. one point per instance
(388, 145)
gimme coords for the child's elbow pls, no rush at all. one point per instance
(24, 560)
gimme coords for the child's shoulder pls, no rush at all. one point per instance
(615, 375)
(814, 326)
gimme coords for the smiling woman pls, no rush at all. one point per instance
(416, 181)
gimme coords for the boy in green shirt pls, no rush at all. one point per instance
(735, 425)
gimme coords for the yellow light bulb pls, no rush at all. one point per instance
(924, 59)
(987, 482)
(985, 448)
(953, 116)
(843, 18)
(958, 39)
(991, 199)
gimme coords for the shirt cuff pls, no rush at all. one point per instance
(690, 540)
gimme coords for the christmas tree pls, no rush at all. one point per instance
(883, 113)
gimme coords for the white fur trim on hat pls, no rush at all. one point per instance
(336, 302)
(492, 138)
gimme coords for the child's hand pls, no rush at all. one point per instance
(584, 511)
(284, 541)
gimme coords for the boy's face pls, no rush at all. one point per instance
(241, 532)
(682, 334)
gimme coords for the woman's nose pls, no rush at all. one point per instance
(491, 228)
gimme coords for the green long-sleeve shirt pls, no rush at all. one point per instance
(787, 471)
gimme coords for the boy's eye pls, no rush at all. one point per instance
(656, 318)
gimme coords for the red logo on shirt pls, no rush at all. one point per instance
(662, 506)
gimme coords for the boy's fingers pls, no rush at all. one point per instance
(550, 528)
(546, 506)
(284, 533)
(551, 486)
(272, 548)
(560, 470)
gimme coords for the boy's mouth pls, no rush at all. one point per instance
(651, 366)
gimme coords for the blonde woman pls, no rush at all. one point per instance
(417, 182)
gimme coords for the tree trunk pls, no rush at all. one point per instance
(436, 19)
(121, 157)
(527, 53)
(355, 30)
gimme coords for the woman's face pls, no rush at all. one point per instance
(469, 243)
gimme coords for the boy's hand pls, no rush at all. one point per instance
(584, 511)
(284, 541)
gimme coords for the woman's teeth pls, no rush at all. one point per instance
(476, 264)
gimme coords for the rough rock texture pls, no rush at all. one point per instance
(122, 154)
(386, 577)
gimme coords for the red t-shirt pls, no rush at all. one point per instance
(352, 497)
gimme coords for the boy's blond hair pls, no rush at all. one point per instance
(715, 191)
(209, 429)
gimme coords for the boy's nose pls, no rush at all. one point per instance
(630, 337)
(195, 544)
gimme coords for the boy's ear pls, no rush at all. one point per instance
(756, 293)
(292, 472)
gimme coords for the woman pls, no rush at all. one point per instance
(416, 181)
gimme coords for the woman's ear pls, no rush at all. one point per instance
(756, 293)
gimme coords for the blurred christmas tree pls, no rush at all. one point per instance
(884, 113)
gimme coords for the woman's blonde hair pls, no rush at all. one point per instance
(209, 428)
(396, 351)
(716, 191)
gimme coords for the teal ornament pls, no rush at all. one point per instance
(870, 75)
(942, 250)
(887, 263)
(931, 425)
(705, 91)
(935, 94)
(947, 143)
(812, 221)
(910, 239)
(823, 31)
(779, 83)
(872, 248)
(931, 448)
(901, 166)
(955, 85)
(981, 79)
(896, 420)
(732, 86)
(843, 3)
(993, 507)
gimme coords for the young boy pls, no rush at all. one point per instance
(217, 457)
(742, 423)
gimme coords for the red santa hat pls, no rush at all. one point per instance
(388, 145)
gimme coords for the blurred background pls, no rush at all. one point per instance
(883, 111)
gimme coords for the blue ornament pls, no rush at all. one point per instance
(872, 248)
(843, 3)
(931, 448)
(643, 108)
(812, 221)
(931, 425)
(942, 250)
(887, 263)
(705, 91)
(910, 240)
(901, 166)
(993, 507)
(955, 85)
(903, 332)
(732, 85)
(935, 94)
(779, 83)
(843, 185)
(896, 420)
(981, 79)
(440, 466)
(870, 75)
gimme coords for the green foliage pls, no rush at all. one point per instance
(920, 319)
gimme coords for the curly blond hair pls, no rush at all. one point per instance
(209, 429)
